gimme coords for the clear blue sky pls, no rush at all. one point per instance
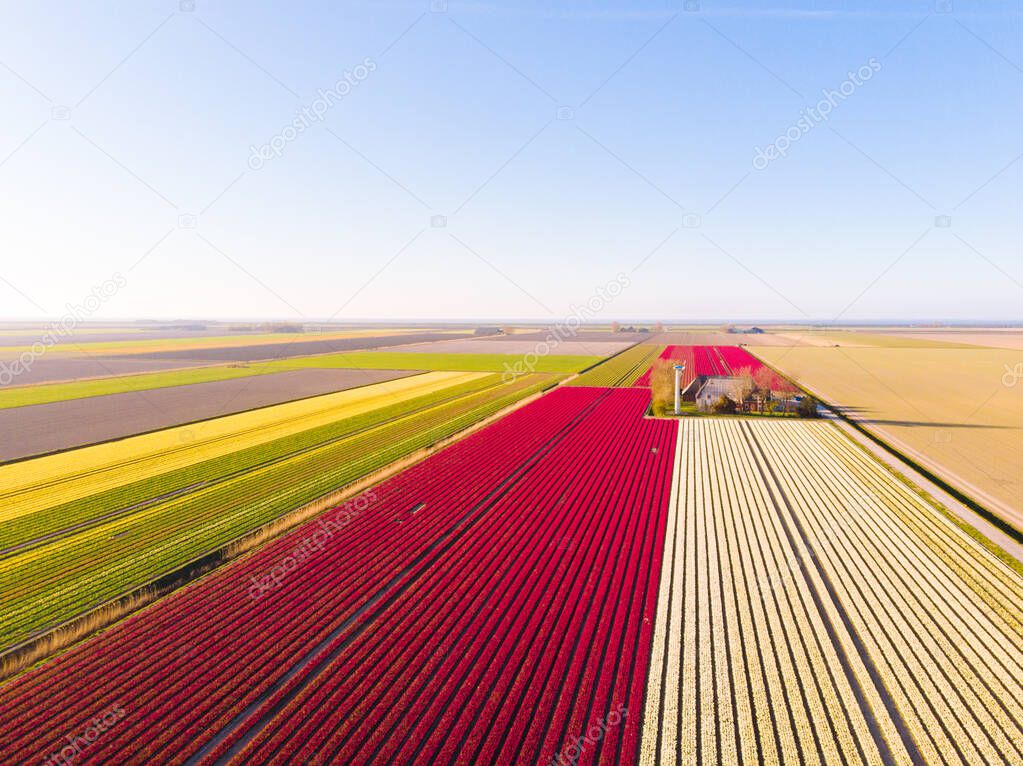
(127, 127)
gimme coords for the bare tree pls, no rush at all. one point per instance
(745, 385)
(662, 384)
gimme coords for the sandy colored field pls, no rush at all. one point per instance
(987, 338)
(61, 425)
(48, 481)
(582, 336)
(711, 337)
(295, 345)
(853, 338)
(948, 408)
(512, 347)
(190, 341)
(388, 360)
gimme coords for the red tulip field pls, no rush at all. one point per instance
(574, 583)
(714, 360)
(504, 582)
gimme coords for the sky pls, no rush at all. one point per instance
(720, 161)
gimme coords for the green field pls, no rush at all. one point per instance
(60, 561)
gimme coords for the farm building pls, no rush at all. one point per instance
(708, 389)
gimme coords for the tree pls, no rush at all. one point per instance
(616, 327)
(662, 385)
(722, 406)
(745, 385)
(659, 327)
(764, 379)
(808, 408)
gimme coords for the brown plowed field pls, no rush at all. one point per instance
(43, 428)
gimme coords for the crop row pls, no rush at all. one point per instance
(33, 486)
(621, 369)
(813, 609)
(219, 451)
(216, 502)
(547, 639)
(213, 650)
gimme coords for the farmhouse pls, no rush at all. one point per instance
(707, 389)
(746, 394)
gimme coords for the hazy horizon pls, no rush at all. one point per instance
(408, 161)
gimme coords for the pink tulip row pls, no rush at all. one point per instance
(187, 667)
(530, 629)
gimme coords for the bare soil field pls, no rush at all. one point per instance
(43, 428)
(28, 337)
(289, 349)
(516, 347)
(583, 336)
(52, 369)
(958, 412)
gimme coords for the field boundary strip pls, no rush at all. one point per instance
(974, 525)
